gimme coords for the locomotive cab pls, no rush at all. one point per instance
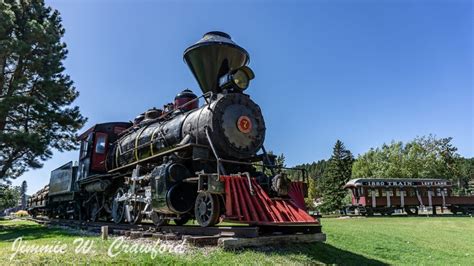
(95, 144)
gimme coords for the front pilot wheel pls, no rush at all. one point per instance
(206, 209)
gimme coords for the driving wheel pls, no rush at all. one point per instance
(118, 207)
(135, 208)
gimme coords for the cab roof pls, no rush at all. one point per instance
(102, 126)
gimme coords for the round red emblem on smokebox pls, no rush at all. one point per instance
(244, 124)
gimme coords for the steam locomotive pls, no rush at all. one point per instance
(186, 161)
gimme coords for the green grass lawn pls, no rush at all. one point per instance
(354, 241)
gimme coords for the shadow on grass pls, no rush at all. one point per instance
(418, 216)
(421, 215)
(317, 252)
(324, 253)
(12, 231)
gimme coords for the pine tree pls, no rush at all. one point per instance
(35, 93)
(280, 160)
(315, 171)
(336, 175)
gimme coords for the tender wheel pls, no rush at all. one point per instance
(78, 211)
(181, 220)
(207, 209)
(369, 212)
(454, 210)
(94, 212)
(411, 210)
(118, 207)
(158, 219)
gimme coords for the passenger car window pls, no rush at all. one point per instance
(100, 144)
(398, 192)
(446, 192)
(375, 192)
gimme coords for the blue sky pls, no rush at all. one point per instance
(366, 73)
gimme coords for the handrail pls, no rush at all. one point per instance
(164, 152)
(266, 165)
(218, 159)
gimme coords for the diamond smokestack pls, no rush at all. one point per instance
(212, 57)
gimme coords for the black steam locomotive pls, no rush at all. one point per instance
(184, 161)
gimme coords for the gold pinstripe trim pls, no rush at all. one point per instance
(153, 138)
(119, 148)
(136, 142)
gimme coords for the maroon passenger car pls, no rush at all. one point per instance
(384, 196)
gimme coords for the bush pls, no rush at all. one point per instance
(309, 204)
(20, 213)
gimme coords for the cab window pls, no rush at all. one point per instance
(100, 144)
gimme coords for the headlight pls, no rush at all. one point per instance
(238, 79)
(241, 79)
